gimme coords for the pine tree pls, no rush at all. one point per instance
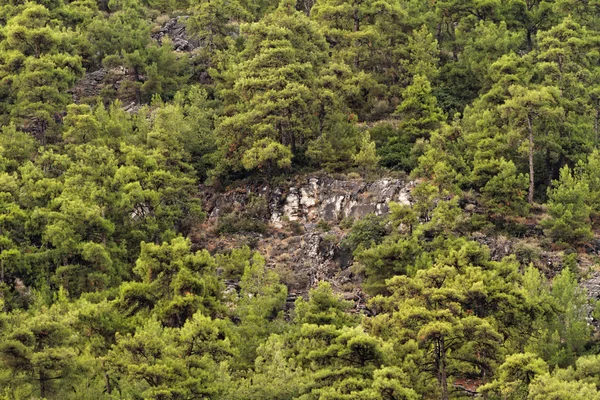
(419, 114)
(525, 107)
(267, 155)
(430, 310)
(272, 92)
(40, 352)
(212, 22)
(361, 31)
(569, 209)
(39, 65)
(366, 159)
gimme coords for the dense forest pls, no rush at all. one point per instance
(491, 107)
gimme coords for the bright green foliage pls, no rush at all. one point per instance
(514, 376)
(39, 63)
(415, 246)
(39, 352)
(586, 369)
(175, 282)
(347, 361)
(158, 362)
(423, 54)
(276, 375)
(564, 61)
(165, 72)
(569, 210)
(432, 311)
(351, 26)
(323, 308)
(286, 46)
(267, 155)
(587, 173)
(484, 44)
(123, 32)
(548, 387)
(482, 108)
(343, 362)
(366, 159)
(419, 114)
(89, 211)
(504, 193)
(153, 68)
(17, 148)
(524, 107)
(197, 135)
(259, 307)
(564, 334)
(442, 159)
(361, 34)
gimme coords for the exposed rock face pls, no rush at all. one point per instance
(92, 84)
(500, 247)
(89, 86)
(175, 29)
(592, 288)
(318, 198)
(314, 206)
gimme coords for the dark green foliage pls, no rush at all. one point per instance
(365, 232)
(393, 146)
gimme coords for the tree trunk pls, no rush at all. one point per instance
(549, 168)
(531, 172)
(530, 32)
(43, 129)
(211, 43)
(356, 29)
(597, 116)
(106, 380)
(43, 389)
(438, 34)
(441, 367)
(556, 168)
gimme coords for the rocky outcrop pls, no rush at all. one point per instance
(305, 219)
(175, 30)
(592, 288)
(315, 199)
(334, 200)
(89, 86)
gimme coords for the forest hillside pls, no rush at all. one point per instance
(300, 199)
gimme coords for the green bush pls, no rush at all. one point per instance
(252, 218)
(365, 232)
